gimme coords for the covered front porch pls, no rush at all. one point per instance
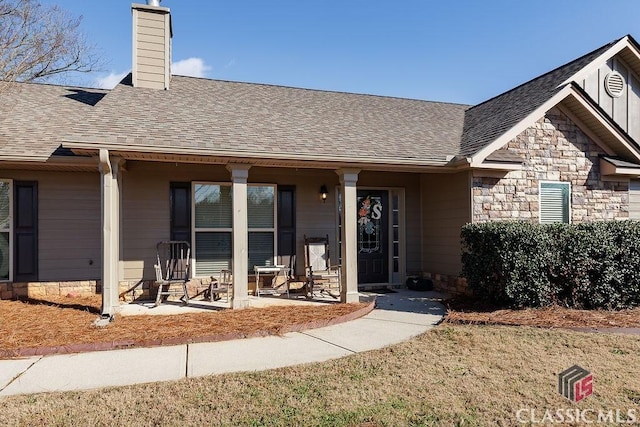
(237, 215)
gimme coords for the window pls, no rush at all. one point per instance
(555, 202)
(634, 199)
(261, 213)
(213, 227)
(5, 230)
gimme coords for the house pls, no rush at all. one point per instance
(91, 180)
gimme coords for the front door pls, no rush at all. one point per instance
(373, 236)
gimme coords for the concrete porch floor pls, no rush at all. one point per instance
(147, 308)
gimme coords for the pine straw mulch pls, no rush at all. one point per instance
(465, 311)
(65, 321)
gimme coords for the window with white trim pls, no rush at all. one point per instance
(213, 227)
(555, 204)
(5, 230)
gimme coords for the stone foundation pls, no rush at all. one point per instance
(41, 289)
(452, 285)
(128, 291)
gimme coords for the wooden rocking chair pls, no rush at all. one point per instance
(172, 268)
(321, 276)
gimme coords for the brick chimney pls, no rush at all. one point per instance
(151, 45)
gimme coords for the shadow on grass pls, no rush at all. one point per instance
(468, 304)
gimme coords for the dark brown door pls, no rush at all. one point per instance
(373, 236)
(287, 226)
(25, 231)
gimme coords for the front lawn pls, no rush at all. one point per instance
(453, 375)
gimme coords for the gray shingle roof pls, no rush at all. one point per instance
(486, 122)
(264, 120)
(222, 117)
(620, 162)
(34, 117)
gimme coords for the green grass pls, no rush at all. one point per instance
(452, 376)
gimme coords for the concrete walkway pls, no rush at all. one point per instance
(397, 317)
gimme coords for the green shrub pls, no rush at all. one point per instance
(518, 264)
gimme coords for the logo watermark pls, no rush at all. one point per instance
(575, 383)
(577, 416)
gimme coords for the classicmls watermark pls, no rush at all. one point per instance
(577, 416)
(576, 383)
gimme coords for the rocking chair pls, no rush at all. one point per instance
(172, 268)
(321, 276)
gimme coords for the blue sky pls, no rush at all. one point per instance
(462, 51)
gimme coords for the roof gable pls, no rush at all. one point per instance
(487, 122)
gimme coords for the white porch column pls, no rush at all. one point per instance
(240, 269)
(110, 219)
(348, 179)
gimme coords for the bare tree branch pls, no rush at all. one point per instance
(38, 42)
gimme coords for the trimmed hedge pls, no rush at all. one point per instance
(588, 266)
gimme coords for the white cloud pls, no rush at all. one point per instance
(192, 67)
(110, 81)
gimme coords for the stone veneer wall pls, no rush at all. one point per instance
(128, 291)
(553, 149)
(454, 285)
(41, 289)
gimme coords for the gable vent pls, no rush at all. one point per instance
(614, 84)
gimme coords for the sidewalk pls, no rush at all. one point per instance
(397, 317)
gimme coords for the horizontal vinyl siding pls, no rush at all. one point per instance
(445, 209)
(69, 231)
(150, 50)
(145, 222)
(315, 218)
(145, 210)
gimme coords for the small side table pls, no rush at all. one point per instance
(277, 271)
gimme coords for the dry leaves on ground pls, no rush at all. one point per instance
(460, 311)
(60, 321)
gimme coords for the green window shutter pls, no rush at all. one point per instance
(554, 202)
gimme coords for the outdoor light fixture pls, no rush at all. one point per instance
(323, 192)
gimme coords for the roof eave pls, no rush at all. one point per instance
(573, 97)
(624, 42)
(607, 168)
(196, 155)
